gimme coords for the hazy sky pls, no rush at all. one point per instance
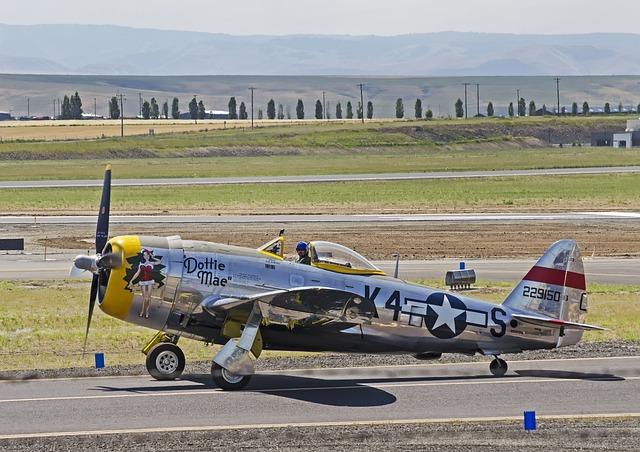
(381, 17)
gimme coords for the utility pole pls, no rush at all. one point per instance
(518, 101)
(465, 100)
(361, 101)
(54, 109)
(28, 110)
(139, 105)
(478, 99)
(252, 88)
(324, 107)
(558, 94)
(121, 116)
(95, 108)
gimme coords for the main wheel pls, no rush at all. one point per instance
(227, 380)
(165, 361)
(498, 367)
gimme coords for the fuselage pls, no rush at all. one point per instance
(409, 318)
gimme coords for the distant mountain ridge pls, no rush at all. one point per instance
(106, 49)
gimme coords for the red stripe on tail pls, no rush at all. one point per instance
(557, 277)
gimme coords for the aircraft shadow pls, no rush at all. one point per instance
(560, 374)
(349, 392)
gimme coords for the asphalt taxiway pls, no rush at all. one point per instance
(393, 394)
(319, 178)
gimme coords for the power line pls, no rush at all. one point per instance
(558, 94)
(361, 103)
(121, 116)
(465, 100)
(252, 88)
(478, 99)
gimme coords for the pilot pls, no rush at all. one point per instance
(303, 253)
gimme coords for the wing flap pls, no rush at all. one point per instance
(556, 323)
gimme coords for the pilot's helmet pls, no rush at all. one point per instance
(302, 246)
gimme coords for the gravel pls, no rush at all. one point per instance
(327, 360)
(603, 434)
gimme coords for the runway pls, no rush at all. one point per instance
(600, 270)
(319, 178)
(398, 394)
(282, 219)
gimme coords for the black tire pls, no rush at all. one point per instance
(165, 361)
(498, 367)
(226, 380)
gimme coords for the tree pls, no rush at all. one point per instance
(511, 113)
(418, 108)
(522, 107)
(607, 108)
(300, 109)
(280, 111)
(76, 106)
(490, 110)
(260, 115)
(319, 109)
(243, 111)
(155, 109)
(532, 108)
(66, 108)
(233, 113)
(288, 110)
(585, 108)
(544, 109)
(429, 114)
(146, 110)
(193, 108)
(574, 108)
(271, 109)
(165, 109)
(349, 110)
(459, 108)
(620, 107)
(338, 111)
(175, 110)
(369, 110)
(359, 111)
(399, 108)
(202, 112)
(638, 109)
(327, 111)
(114, 108)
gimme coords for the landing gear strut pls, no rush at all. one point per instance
(165, 361)
(498, 367)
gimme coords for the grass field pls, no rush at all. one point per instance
(548, 193)
(42, 324)
(336, 161)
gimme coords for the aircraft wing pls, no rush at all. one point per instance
(555, 323)
(302, 306)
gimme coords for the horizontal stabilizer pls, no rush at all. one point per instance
(556, 323)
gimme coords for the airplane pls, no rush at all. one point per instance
(249, 300)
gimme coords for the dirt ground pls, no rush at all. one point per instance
(413, 240)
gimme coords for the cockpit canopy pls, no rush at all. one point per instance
(338, 258)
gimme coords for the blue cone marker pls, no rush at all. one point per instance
(462, 265)
(99, 360)
(529, 420)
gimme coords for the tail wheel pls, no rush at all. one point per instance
(227, 380)
(498, 367)
(165, 361)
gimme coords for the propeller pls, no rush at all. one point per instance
(98, 263)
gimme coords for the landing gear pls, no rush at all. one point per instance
(165, 361)
(498, 367)
(227, 380)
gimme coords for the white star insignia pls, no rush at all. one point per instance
(446, 315)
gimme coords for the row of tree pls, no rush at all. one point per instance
(71, 107)
(534, 111)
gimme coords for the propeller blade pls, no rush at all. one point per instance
(102, 228)
(76, 272)
(92, 303)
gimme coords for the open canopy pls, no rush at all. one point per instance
(338, 258)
